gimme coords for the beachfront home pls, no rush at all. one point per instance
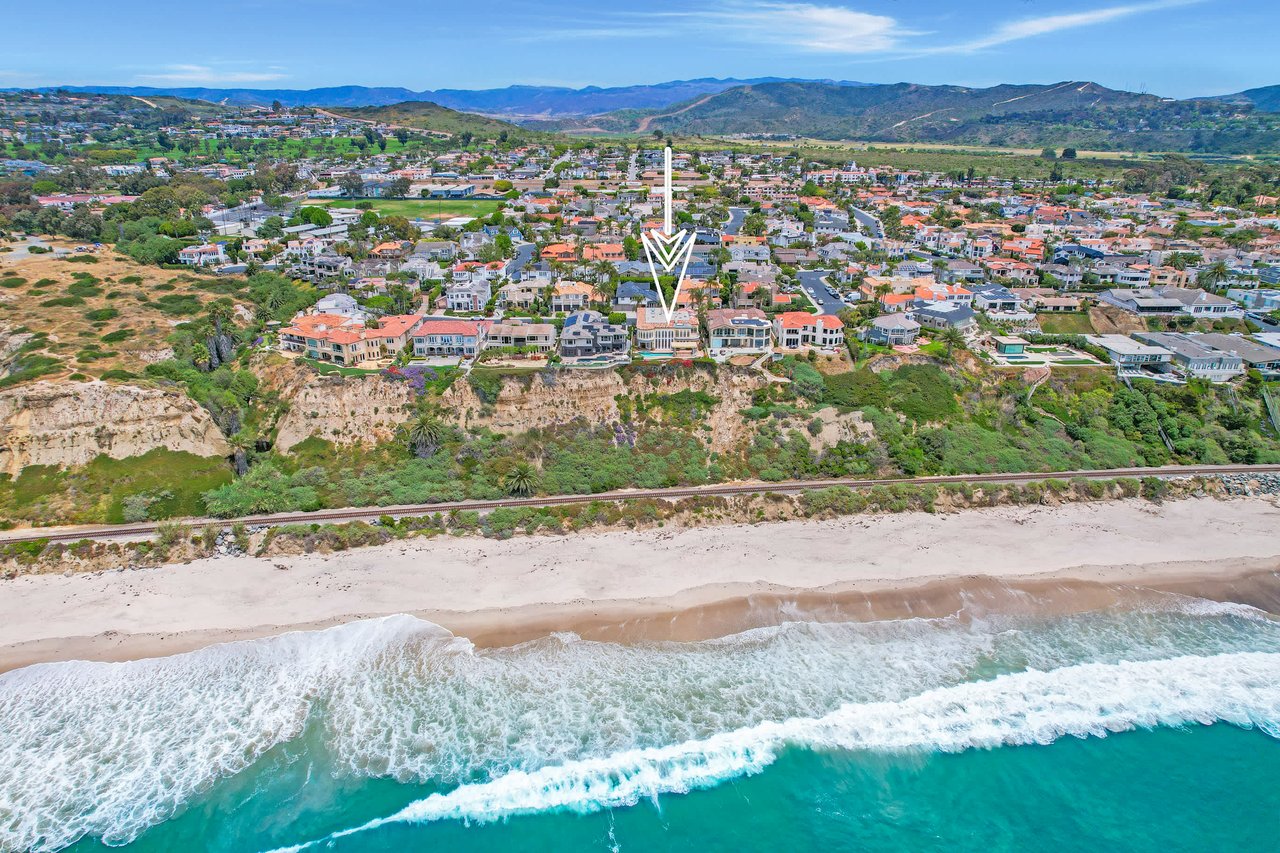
(347, 341)
(1260, 357)
(589, 333)
(678, 337)
(892, 330)
(522, 335)
(1133, 358)
(796, 329)
(444, 337)
(738, 331)
(1194, 357)
(945, 315)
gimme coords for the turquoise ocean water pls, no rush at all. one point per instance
(1145, 728)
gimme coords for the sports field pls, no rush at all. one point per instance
(418, 208)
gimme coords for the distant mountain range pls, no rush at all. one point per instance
(1079, 114)
(523, 101)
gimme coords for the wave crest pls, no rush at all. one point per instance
(1024, 708)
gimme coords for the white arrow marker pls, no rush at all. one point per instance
(668, 249)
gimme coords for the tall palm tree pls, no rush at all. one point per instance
(952, 337)
(521, 479)
(424, 435)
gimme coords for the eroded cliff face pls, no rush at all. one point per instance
(345, 410)
(71, 423)
(547, 399)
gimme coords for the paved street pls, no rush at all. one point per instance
(736, 217)
(870, 224)
(811, 281)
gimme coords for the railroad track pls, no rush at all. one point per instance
(120, 531)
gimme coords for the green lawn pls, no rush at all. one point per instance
(1066, 324)
(326, 368)
(419, 208)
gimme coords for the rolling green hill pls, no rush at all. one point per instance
(424, 115)
(1077, 114)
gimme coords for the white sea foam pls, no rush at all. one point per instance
(109, 749)
(1023, 708)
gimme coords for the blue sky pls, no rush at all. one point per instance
(1179, 48)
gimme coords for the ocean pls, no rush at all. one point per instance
(1151, 726)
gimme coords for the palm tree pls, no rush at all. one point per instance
(521, 479)
(952, 337)
(1213, 275)
(221, 311)
(424, 435)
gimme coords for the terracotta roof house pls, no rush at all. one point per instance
(347, 341)
(560, 252)
(444, 337)
(603, 252)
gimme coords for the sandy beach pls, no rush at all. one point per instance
(664, 583)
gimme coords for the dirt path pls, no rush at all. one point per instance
(145, 101)
(643, 126)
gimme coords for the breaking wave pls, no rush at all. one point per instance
(1023, 708)
(107, 750)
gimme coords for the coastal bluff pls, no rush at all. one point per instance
(549, 398)
(64, 424)
(344, 410)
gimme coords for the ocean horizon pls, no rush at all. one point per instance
(1136, 727)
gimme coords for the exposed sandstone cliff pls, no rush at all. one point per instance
(559, 397)
(66, 423)
(345, 410)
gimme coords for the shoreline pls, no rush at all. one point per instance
(668, 583)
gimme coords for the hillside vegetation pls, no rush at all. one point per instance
(95, 316)
(424, 115)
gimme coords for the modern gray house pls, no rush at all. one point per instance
(588, 333)
(893, 330)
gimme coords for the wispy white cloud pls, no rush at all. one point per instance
(824, 28)
(207, 75)
(1031, 27)
(810, 27)
(807, 26)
